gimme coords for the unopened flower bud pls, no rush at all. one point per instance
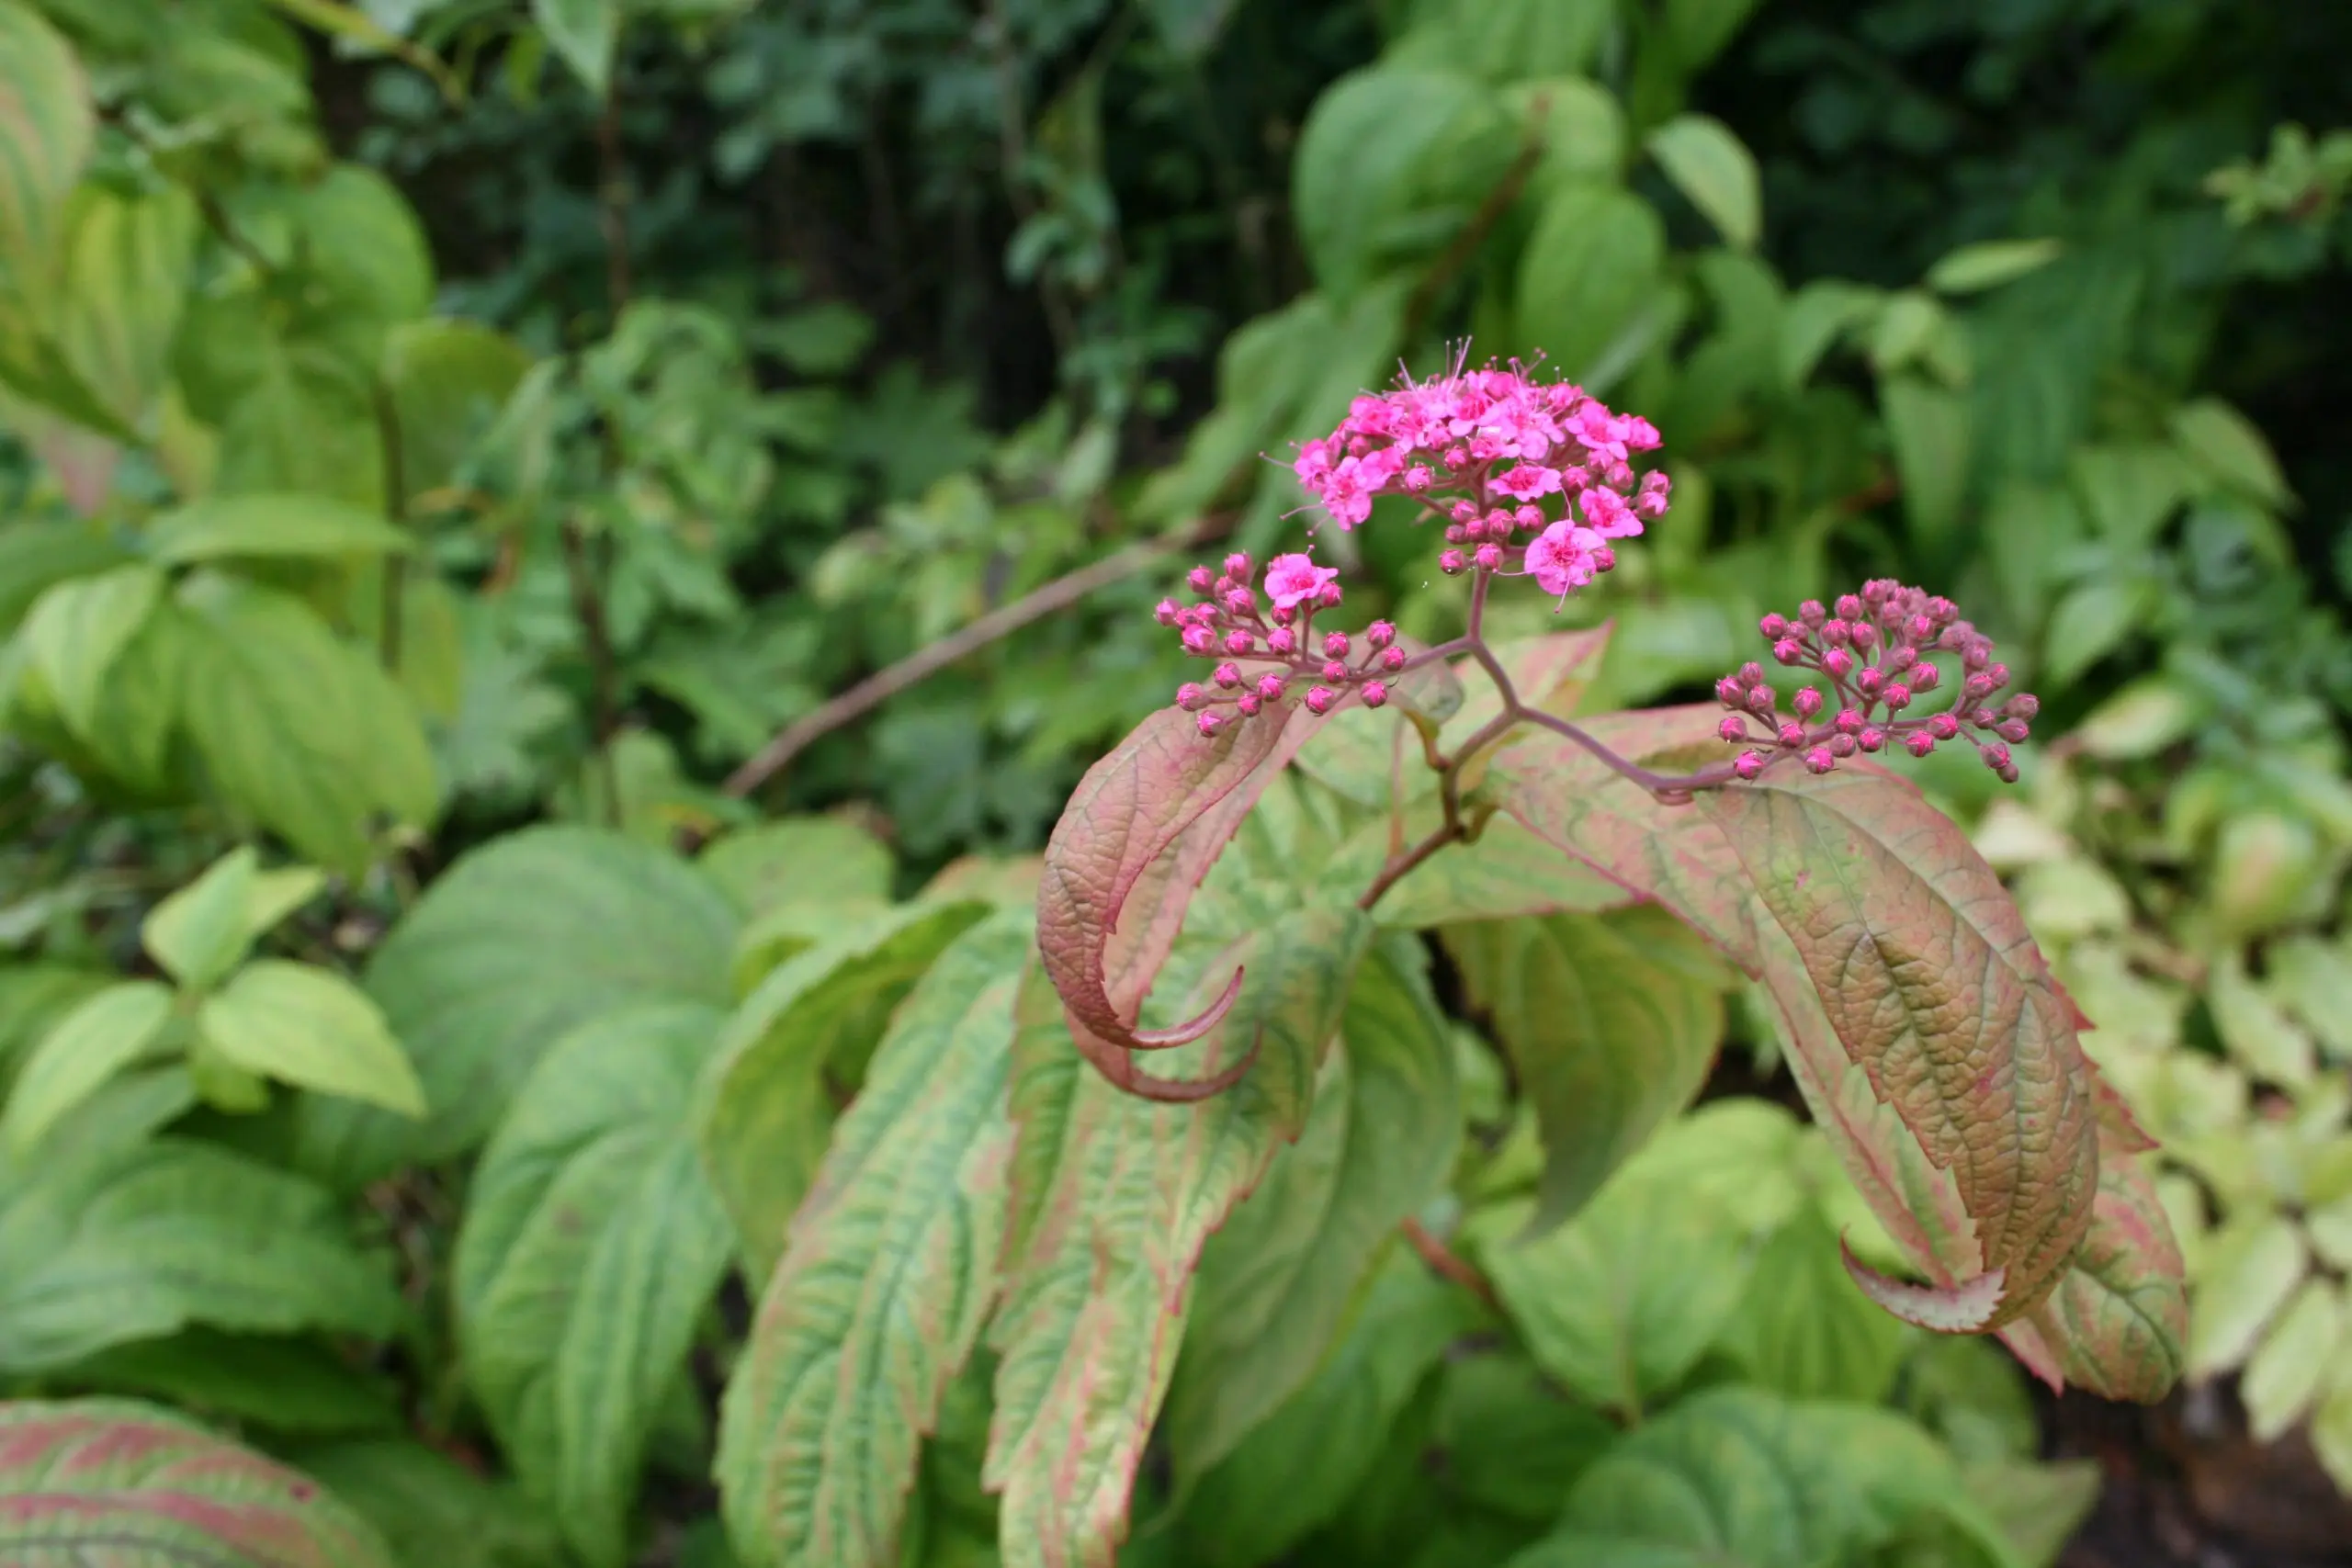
(2006, 775)
(1335, 645)
(1391, 660)
(1651, 504)
(1380, 634)
(1730, 692)
(1329, 595)
(1250, 704)
(1731, 729)
(1848, 721)
(1788, 651)
(1375, 694)
(1807, 702)
(1811, 614)
(1282, 640)
(1983, 718)
(1943, 611)
(1899, 661)
(1841, 745)
(1191, 698)
(1221, 587)
(1239, 600)
(1269, 686)
(1604, 558)
(1490, 556)
(1871, 740)
(1239, 566)
(1454, 534)
(1926, 678)
(1200, 640)
(1920, 627)
(1464, 510)
(1897, 697)
(1320, 700)
(1838, 662)
(1869, 683)
(1238, 642)
(1751, 673)
(1819, 761)
(2015, 731)
(1918, 743)
(1850, 608)
(1998, 674)
(1996, 756)
(1475, 530)
(1976, 655)
(1944, 725)
(1774, 626)
(1749, 765)
(1792, 734)
(1451, 562)
(1836, 633)
(1227, 675)
(1209, 724)
(1334, 670)
(1863, 634)
(1166, 611)
(1875, 591)
(1202, 579)
(2025, 705)
(1762, 699)
(1978, 686)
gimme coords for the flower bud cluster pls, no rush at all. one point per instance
(1875, 652)
(1265, 648)
(1540, 476)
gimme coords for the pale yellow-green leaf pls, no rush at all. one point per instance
(309, 1027)
(1988, 263)
(265, 527)
(2251, 1268)
(2140, 720)
(78, 629)
(2312, 979)
(2294, 1362)
(200, 932)
(2332, 1434)
(2258, 1032)
(278, 893)
(89, 1045)
(2225, 443)
(47, 123)
(1711, 166)
(2331, 1233)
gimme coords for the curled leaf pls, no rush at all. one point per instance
(2118, 1321)
(1144, 827)
(1966, 1308)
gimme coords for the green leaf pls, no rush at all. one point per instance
(1611, 1020)
(1511, 41)
(1715, 169)
(802, 859)
(447, 380)
(1739, 1478)
(296, 728)
(2296, 1361)
(111, 1480)
(1591, 263)
(2227, 444)
(2142, 719)
(1391, 162)
(1815, 317)
(1885, 899)
(1276, 1282)
(1299, 1467)
(33, 997)
(310, 1027)
(89, 1045)
(2331, 1434)
(48, 123)
(590, 1245)
(282, 1385)
(888, 1278)
(510, 949)
(2129, 491)
(1805, 1331)
(1929, 429)
(2091, 622)
(432, 1510)
(2256, 1030)
(1505, 873)
(2247, 1271)
(765, 1105)
(1113, 1196)
(274, 527)
(583, 32)
(99, 1248)
(78, 630)
(35, 556)
(1989, 263)
(202, 931)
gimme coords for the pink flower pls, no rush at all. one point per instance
(1560, 557)
(1313, 465)
(1293, 579)
(1609, 515)
(1527, 480)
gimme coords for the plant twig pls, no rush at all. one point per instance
(395, 565)
(612, 204)
(1444, 1261)
(884, 684)
(604, 675)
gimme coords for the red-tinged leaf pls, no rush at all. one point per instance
(1113, 1197)
(1165, 789)
(1671, 854)
(886, 1279)
(108, 1484)
(1927, 974)
(1966, 1308)
(2117, 1323)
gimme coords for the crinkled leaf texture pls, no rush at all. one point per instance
(107, 1483)
(1928, 978)
(1113, 1197)
(886, 1279)
(591, 1242)
(1142, 828)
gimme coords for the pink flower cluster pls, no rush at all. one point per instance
(1875, 649)
(1264, 643)
(1502, 446)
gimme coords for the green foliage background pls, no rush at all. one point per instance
(445, 440)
